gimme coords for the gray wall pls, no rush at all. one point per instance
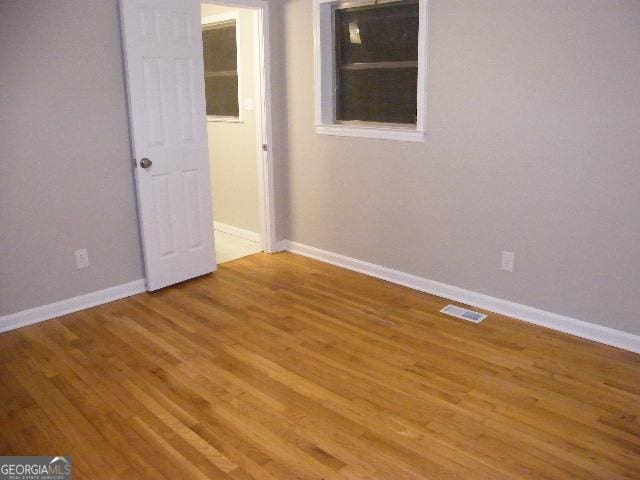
(533, 147)
(65, 173)
(280, 124)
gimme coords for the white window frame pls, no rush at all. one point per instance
(223, 18)
(325, 78)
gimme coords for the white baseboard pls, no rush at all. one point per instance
(282, 245)
(237, 232)
(70, 305)
(579, 328)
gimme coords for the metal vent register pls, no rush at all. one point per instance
(463, 313)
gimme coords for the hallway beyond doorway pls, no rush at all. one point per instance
(229, 247)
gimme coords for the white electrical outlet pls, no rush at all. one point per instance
(82, 258)
(507, 261)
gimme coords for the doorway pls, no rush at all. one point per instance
(229, 40)
(234, 68)
(162, 44)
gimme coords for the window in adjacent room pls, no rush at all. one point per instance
(220, 49)
(370, 68)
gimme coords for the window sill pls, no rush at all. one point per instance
(212, 119)
(400, 134)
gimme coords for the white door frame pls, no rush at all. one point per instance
(262, 64)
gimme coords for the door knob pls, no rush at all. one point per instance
(145, 163)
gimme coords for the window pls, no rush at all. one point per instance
(221, 78)
(377, 63)
(370, 68)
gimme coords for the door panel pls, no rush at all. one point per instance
(165, 86)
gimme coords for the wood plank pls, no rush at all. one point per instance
(279, 366)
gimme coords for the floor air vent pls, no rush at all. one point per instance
(463, 313)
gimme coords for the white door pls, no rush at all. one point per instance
(165, 85)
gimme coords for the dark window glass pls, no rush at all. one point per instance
(221, 69)
(377, 62)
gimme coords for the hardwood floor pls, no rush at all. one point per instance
(279, 366)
